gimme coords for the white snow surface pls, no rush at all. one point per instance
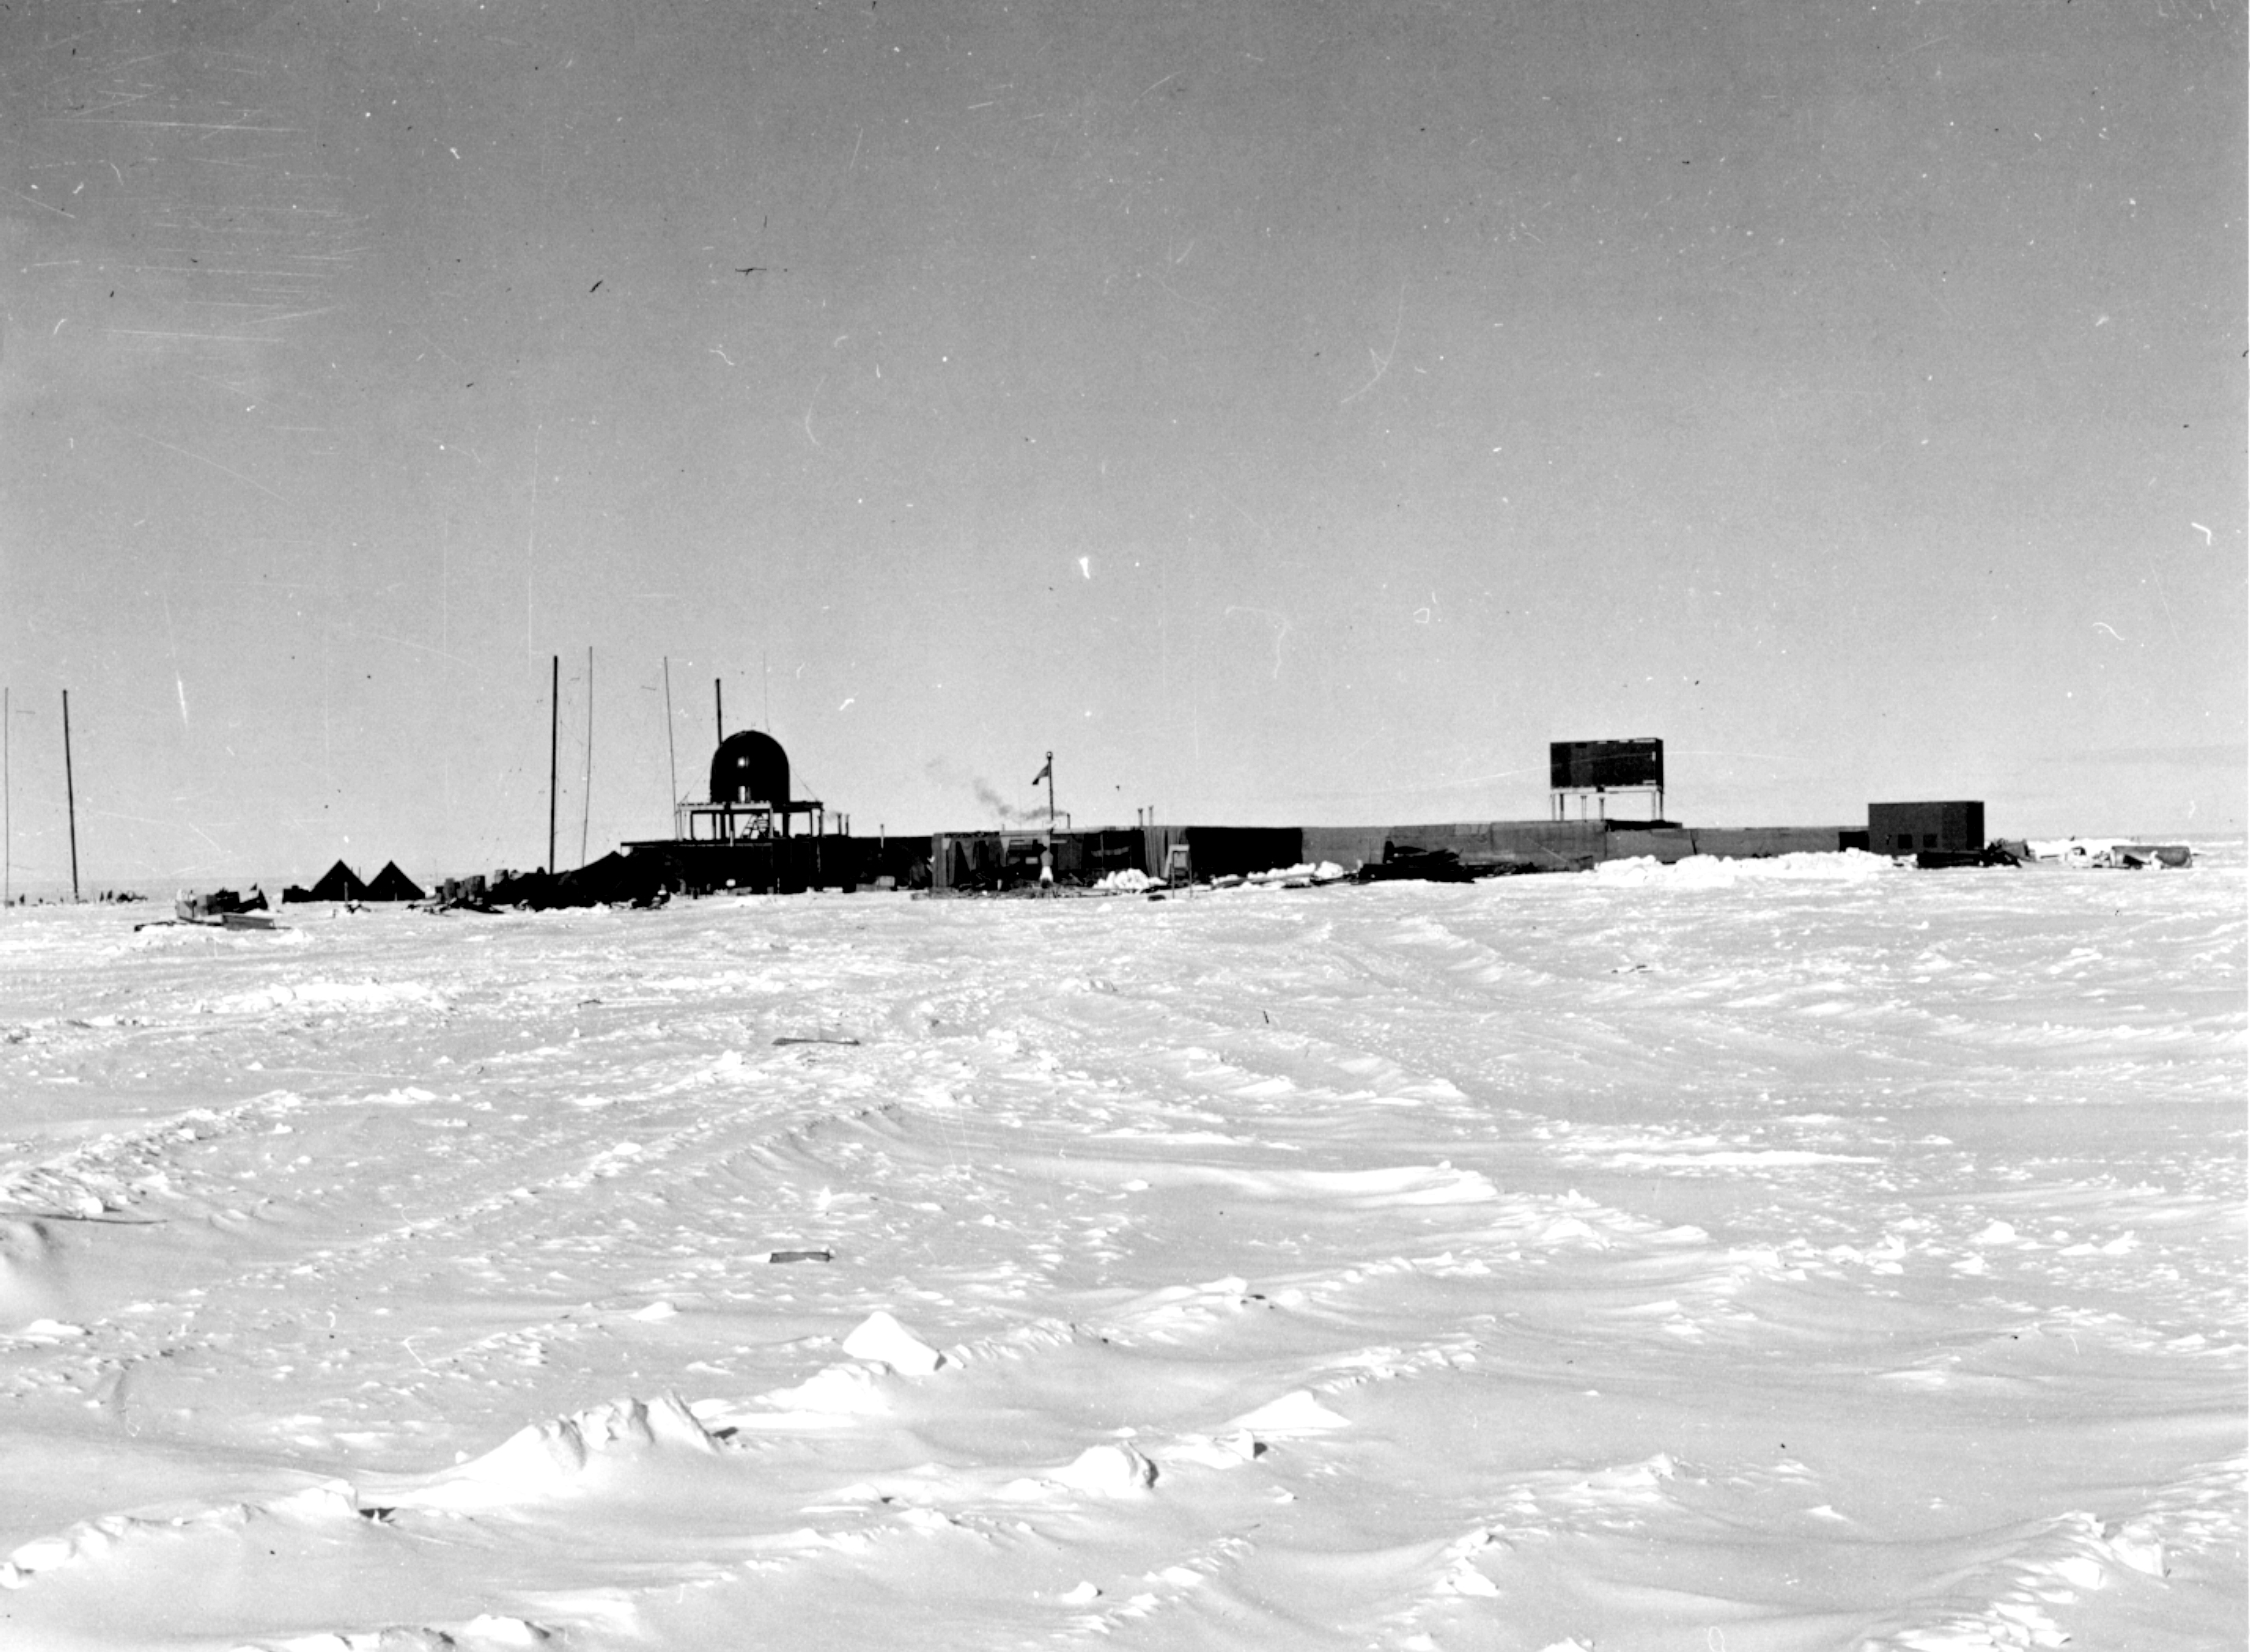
(1709, 1258)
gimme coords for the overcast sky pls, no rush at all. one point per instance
(1282, 411)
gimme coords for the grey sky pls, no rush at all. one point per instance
(1282, 412)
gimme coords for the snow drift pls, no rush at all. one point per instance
(1798, 1253)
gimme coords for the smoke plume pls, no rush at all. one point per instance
(986, 795)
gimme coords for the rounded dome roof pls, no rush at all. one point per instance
(749, 767)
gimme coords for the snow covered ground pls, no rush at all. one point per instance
(1725, 1257)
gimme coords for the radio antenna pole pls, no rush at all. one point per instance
(554, 750)
(70, 792)
(671, 756)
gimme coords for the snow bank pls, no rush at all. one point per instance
(1301, 875)
(554, 1458)
(882, 1338)
(328, 995)
(1716, 872)
(1545, 1262)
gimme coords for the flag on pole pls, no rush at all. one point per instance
(1044, 772)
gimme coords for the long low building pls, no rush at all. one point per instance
(962, 862)
(746, 836)
(969, 863)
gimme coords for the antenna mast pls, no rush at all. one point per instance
(70, 791)
(586, 804)
(554, 749)
(671, 755)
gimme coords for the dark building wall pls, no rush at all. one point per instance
(1555, 845)
(1563, 845)
(953, 859)
(1558, 844)
(1156, 845)
(995, 859)
(904, 860)
(965, 860)
(1214, 852)
(1747, 843)
(1470, 840)
(1111, 849)
(1351, 847)
(1906, 828)
(1237, 851)
(1667, 844)
(961, 862)
(617, 878)
(749, 866)
(949, 859)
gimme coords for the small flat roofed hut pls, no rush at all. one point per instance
(1909, 828)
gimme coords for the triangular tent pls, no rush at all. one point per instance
(339, 882)
(391, 884)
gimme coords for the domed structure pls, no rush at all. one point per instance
(752, 835)
(750, 796)
(750, 768)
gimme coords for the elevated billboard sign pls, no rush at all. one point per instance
(1605, 765)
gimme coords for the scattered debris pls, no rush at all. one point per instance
(220, 910)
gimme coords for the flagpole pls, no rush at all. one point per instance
(70, 792)
(1051, 812)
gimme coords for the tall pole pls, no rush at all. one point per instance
(554, 750)
(586, 803)
(70, 792)
(719, 709)
(1051, 812)
(671, 756)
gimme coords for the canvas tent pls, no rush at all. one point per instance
(339, 882)
(391, 884)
